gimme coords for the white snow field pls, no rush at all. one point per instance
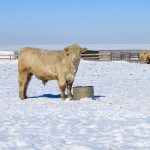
(117, 119)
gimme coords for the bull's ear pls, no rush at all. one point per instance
(67, 50)
(84, 50)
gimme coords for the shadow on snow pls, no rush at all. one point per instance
(96, 97)
(47, 96)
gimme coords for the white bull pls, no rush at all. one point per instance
(49, 65)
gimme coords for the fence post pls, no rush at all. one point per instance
(111, 56)
(129, 56)
(138, 56)
(121, 56)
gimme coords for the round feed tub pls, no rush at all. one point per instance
(83, 92)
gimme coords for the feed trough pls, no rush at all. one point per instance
(83, 92)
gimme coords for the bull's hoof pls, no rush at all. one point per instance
(23, 98)
(70, 97)
(63, 98)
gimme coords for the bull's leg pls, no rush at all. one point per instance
(27, 83)
(23, 77)
(62, 86)
(69, 88)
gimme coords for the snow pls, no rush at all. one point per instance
(117, 118)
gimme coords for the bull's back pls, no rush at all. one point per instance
(39, 62)
(26, 57)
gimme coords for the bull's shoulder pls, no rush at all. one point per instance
(30, 49)
(26, 49)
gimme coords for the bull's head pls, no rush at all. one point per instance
(74, 52)
(145, 58)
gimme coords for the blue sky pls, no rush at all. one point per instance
(74, 21)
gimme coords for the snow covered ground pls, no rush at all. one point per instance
(118, 117)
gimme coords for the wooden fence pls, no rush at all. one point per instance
(8, 56)
(113, 56)
(98, 56)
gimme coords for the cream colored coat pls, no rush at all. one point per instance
(49, 65)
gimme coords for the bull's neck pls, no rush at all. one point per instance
(71, 61)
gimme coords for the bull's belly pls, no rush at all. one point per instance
(44, 74)
(46, 77)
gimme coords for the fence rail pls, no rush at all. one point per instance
(8, 56)
(98, 57)
(112, 56)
